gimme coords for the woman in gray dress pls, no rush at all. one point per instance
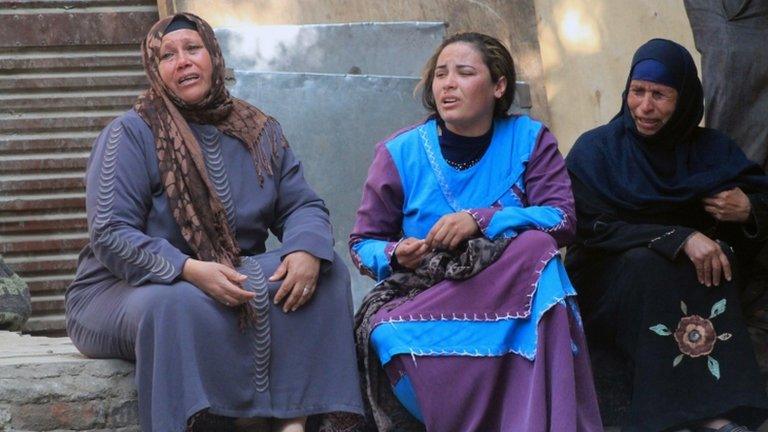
(181, 193)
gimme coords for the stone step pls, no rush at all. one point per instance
(69, 101)
(71, 59)
(42, 223)
(46, 304)
(369, 48)
(37, 265)
(60, 181)
(49, 283)
(46, 142)
(26, 163)
(39, 202)
(47, 385)
(70, 5)
(67, 68)
(23, 83)
(57, 121)
(45, 323)
(14, 245)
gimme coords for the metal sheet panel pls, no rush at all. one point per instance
(333, 122)
(66, 69)
(393, 48)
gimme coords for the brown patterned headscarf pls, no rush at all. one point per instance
(193, 200)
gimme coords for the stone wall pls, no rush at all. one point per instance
(46, 385)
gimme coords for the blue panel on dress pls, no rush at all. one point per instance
(433, 188)
(405, 394)
(476, 338)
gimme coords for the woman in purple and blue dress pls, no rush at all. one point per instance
(182, 191)
(462, 215)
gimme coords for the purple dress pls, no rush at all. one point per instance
(503, 350)
(128, 300)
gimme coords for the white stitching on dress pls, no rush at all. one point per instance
(217, 172)
(262, 341)
(560, 225)
(494, 317)
(661, 237)
(479, 220)
(154, 264)
(437, 171)
(486, 352)
(103, 234)
(486, 316)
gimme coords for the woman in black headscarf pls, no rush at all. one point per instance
(668, 215)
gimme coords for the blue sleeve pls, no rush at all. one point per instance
(510, 221)
(118, 201)
(549, 204)
(374, 257)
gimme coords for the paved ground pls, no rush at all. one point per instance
(47, 385)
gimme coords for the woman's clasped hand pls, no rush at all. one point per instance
(447, 234)
(298, 273)
(219, 281)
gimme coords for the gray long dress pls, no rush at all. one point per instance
(128, 300)
(731, 35)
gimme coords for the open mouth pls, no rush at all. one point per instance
(448, 101)
(188, 79)
(647, 123)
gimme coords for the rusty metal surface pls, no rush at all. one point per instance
(102, 28)
(66, 69)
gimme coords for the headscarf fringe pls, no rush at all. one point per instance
(265, 153)
(193, 200)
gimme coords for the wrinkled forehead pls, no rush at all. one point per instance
(651, 86)
(180, 37)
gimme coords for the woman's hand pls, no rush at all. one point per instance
(709, 259)
(451, 230)
(729, 206)
(220, 282)
(410, 252)
(299, 272)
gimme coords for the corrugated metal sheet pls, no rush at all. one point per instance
(66, 69)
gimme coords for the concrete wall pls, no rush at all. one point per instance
(587, 47)
(574, 53)
(512, 21)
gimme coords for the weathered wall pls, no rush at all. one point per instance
(587, 46)
(67, 68)
(512, 21)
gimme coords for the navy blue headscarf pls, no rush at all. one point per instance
(682, 162)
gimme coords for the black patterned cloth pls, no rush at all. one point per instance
(382, 407)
